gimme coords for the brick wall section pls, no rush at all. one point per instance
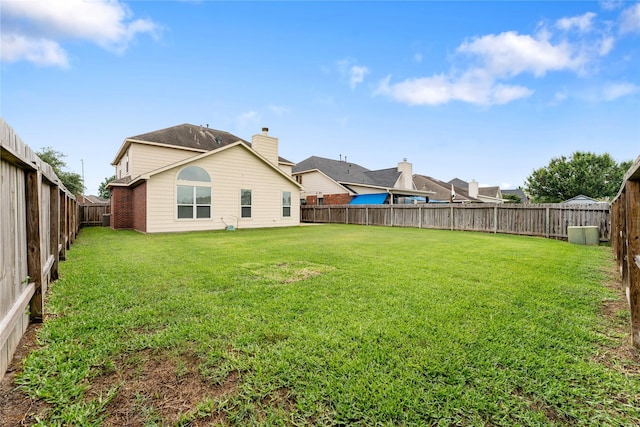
(140, 208)
(330, 199)
(121, 208)
(336, 199)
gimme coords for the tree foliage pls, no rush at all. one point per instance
(511, 198)
(71, 180)
(583, 173)
(103, 191)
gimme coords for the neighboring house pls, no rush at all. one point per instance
(583, 200)
(491, 194)
(330, 182)
(441, 191)
(91, 199)
(517, 192)
(189, 177)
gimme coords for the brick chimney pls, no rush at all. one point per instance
(266, 145)
(405, 181)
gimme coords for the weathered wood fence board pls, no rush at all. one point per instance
(38, 222)
(92, 214)
(532, 220)
(625, 243)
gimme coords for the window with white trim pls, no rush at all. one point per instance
(245, 203)
(286, 203)
(193, 193)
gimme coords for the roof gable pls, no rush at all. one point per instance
(213, 152)
(441, 189)
(187, 136)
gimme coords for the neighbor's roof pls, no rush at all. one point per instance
(193, 137)
(441, 189)
(491, 191)
(348, 172)
(518, 192)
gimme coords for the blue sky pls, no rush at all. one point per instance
(476, 90)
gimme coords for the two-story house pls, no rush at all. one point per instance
(189, 177)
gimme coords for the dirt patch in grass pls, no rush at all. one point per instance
(159, 388)
(16, 408)
(619, 354)
(287, 272)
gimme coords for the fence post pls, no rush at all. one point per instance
(391, 219)
(633, 256)
(547, 220)
(451, 217)
(54, 231)
(63, 224)
(366, 215)
(419, 216)
(34, 252)
(495, 219)
(346, 221)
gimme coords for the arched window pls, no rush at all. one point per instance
(194, 173)
(193, 193)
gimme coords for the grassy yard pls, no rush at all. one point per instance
(330, 325)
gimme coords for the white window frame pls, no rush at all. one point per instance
(284, 206)
(194, 186)
(245, 206)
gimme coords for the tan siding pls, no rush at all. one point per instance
(145, 158)
(288, 169)
(316, 182)
(230, 170)
(366, 190)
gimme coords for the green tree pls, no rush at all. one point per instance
(511, 198)
(103, 191)
(71, 180)
(586, 173)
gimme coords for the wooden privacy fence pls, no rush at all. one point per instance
(38, 223)
(625, 242)
(93, 213)
(549, 220)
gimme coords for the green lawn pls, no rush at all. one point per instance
(329, 325)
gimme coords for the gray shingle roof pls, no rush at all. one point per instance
(441, 189)
(518, 192)
(193, 136)
(348, 172)
(190, 136)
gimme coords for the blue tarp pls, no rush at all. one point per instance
(369, 199)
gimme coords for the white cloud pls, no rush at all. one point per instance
(605, 46)
(351, 71)
(630, 19)
(559, 97)
(582, 23)
(441, 89)
(611, 4)
(107, 23)
(357, 75)
(487, 65)
(248, 118)
(614, 91)
(278, 110)
(14, 47)
(510, 54)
